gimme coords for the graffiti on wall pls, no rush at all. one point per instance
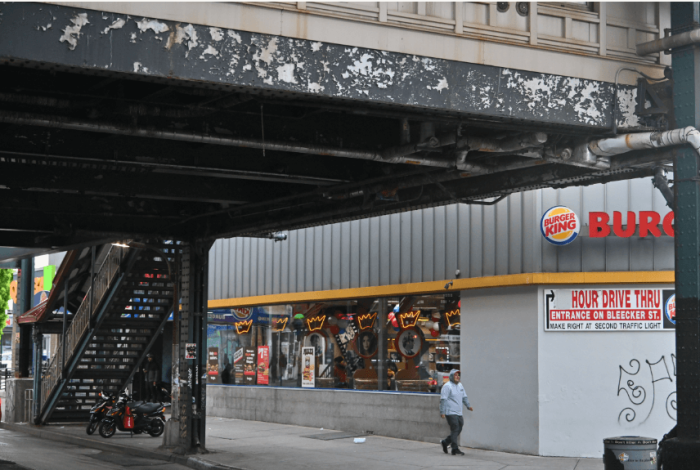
(647, 388)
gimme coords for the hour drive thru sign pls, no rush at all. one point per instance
(631, 309)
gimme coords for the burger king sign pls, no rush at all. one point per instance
(560, 225)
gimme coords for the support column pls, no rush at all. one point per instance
(683, 452)
(193, 330)
(382, 349)
(37, 338)
(22, 341)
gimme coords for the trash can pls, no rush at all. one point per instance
(629, 453)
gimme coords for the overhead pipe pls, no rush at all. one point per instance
(669, 42)
(400, 155)
(510, 144)
(646, 140)
(397, 155)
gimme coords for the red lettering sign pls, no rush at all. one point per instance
(598, 224)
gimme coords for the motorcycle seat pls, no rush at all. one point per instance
(147, 408)
(134, 404)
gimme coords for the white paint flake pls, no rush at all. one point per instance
(133, 38)
(71, 34)
(209, 51)
(157, 27)
(186, 35)
(315, 87)
(138, 67)
(586, 105)
(266, 54)
(234, 35)
(442, 85)
(285, 73)
(44, 28)
(316, 46)
(217, 34)
(626, 102)
(118, 24)
(362, 66)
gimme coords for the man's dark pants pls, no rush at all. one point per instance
(151, 394)
(456, 423)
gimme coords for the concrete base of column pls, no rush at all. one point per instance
(680, 454)
(15, 402)
(171, 435)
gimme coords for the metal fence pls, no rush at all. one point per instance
(5, 374)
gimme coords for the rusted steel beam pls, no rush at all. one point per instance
(107, 43)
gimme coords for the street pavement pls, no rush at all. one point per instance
(20, 452)
(254, 445)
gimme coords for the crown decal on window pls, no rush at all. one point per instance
(243, 327)
(367, 320)
(280, 324)
(453, 317)
(315, 323)
(408, 319)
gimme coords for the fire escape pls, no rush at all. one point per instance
(127, 302)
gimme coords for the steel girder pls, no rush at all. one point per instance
(56, 37)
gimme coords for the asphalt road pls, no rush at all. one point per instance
(19, 451)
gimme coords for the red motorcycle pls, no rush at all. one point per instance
(133, 417)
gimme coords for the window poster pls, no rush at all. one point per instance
(238, 365)
(308, 364)
(213, 376)
(263, 365)
(249, 356)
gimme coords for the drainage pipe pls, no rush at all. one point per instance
(669, 42)
(645, 140)
(395, 155)
(401, 154)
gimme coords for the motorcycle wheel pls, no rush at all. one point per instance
(91, 427)
(107, 429)
(157, 428)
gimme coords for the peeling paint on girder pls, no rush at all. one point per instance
(154, 47)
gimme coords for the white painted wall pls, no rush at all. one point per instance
(499, 368)
(556, 393)
(579, 403)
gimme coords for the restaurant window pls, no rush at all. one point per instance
(338, 344)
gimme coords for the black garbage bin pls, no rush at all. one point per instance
(629, 453)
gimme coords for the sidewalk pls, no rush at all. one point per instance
(254, 445)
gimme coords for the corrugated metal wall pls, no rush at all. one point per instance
(431, 244)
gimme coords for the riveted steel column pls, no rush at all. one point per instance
(22, 341)
(193, 330)
(684, 452)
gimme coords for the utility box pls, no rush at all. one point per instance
(630, 453)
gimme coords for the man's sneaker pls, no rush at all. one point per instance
(457, 452)
(444, 446)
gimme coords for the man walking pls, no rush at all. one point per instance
(151, 371)
(451, 399)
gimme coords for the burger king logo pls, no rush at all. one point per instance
(560, 225)
(670, 309)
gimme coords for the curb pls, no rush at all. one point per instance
(42, 433)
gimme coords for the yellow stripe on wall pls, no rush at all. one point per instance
(435, 287)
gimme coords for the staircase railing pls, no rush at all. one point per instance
(81, 319)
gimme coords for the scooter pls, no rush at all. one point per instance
(99, 411)
(133, 417)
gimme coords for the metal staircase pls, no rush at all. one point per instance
(117, 322)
